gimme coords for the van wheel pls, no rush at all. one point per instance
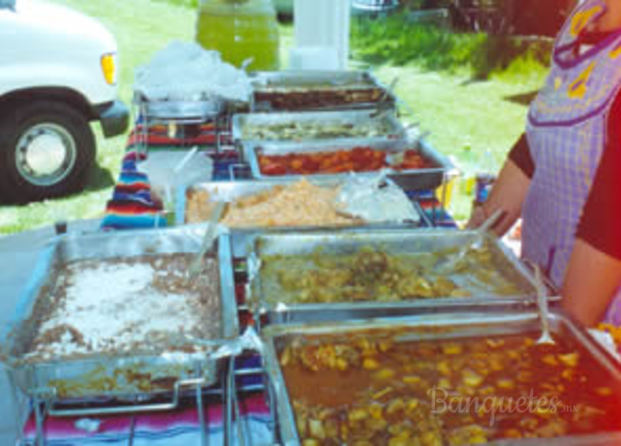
(46, 150)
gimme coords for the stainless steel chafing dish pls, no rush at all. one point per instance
(446, 327)
(242, 123)
(311, 79)
(182, 111)
(106, 376)
(317, 90)
(242, 239)
(410, 179)
(268, 297)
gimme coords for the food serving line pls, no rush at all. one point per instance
(355, 302)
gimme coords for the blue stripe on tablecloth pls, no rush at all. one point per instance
(142, 196)
(138, 221)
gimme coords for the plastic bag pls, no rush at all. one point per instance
(187, 72)
(376, 199)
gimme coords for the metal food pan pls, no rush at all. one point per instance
(353, 117)
(412, 179)
(311, 79)
(438, 327)
(105, 375)
(242, 240)
(309, 83)
(178, 110)
(265, 296)
(267, 102)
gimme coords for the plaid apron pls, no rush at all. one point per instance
(566, 131)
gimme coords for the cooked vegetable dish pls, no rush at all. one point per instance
(359, 159)
(304, 130)
(369, 388)
(371, 274)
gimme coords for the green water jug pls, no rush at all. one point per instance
(240, 30)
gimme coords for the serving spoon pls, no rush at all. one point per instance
(542, 304)
(383, 104)
(449, 264)
(395, 159)
(388, 90)
(208, 239)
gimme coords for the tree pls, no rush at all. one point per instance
(537, 16)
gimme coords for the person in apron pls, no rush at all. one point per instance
(564, 174)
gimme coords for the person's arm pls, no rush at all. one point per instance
(590, 282)
(594, 270)
(508, 194)
(509, 189)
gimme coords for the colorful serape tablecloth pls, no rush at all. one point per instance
(431, 206)
(180, 427)
(132, 204)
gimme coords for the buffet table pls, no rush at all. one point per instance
(133, 206)
(385, 309)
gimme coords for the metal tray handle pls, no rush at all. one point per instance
(179, 385)
(233, 168)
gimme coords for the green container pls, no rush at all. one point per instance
(240, 30)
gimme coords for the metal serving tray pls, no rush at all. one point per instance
(89, 374)
(178, 110)
(396, 241)
(295, 79)
(413, 179)
(429, 327)
(309, 82)
(242, 240)
(353, 117)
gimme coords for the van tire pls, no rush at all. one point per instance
(46, 150)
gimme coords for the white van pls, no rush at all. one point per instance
(58, 72)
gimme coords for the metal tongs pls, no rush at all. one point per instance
(208, 239)
(449, 264)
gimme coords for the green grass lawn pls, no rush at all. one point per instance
(486, 114)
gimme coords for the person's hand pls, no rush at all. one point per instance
(477, 217)
(508, 194)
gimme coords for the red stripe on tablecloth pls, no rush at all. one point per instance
(130, 209)
(158, 136)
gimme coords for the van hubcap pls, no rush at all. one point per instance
(45, 154)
